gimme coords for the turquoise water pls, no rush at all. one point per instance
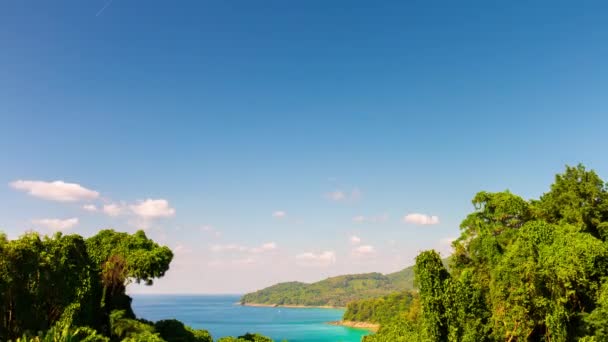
(222, 317)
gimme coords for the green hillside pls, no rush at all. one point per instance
(335, 291)
(385, 309)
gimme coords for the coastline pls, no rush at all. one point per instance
(293, 306)
(373, 327)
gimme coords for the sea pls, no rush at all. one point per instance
(222, 316)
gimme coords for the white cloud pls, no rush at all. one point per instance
(355, 240)
(144, 210)
(371, 219)
(57, 224)
(55, 191)
(422, 219)
(90, 207)
(233, 247)
(234, 262)
(359, 219)
(181, 249)
(269, 246)
(336, 195)
(113, 209)
(152, 208)
(341, 195)
(279, 214)
(364, 250)
(229, 248)
(312, 259)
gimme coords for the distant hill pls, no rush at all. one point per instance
(335, 291)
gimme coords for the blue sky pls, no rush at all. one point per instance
(203, 121)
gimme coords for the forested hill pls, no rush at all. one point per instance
(335, 291)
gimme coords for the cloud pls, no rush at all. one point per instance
(359, 219)
(269, 246)
(228, 248)
(355, 240)
(55, 191)
(312, 259)
(152, 208)
(336, 195)
(181, 249)
(57, 224)
(279, 214)
(90, 207)
(371, 219)
(233, 247)
(364, 250)
(342, 196)
(421, 219)
(148, 209)
(235, 262)
(114, 209)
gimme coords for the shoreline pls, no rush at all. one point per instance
(291, 306)
(373, 327)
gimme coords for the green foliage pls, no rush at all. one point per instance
(248, 337)
(395, 306)
(145, 336)
(431, 277)
(578, 197)
(521, 271)
(124, 257)
(598, 319)
(56, 334)
(67, 289)
(396, 331)
(121, 326)
(174, 330)
(42, 277)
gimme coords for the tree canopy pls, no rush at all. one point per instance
(521, 270)
(66, 288)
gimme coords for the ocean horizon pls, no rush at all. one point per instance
(222, 315)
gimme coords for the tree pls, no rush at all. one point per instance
(121, 258)
(431, 277)
(580, 198)
(521, 270)
(174, 330)
(64, 288)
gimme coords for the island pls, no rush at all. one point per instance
(334, 292)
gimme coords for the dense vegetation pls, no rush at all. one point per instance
(67, 288)
(396, 306)
(521, 271)
(336, 291)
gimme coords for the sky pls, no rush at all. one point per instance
(269, 141)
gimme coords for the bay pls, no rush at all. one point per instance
(221, 316)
